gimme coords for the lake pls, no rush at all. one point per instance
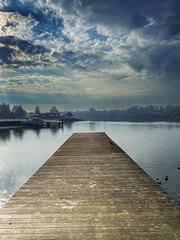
(154, 146)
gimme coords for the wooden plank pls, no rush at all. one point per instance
(90, 189)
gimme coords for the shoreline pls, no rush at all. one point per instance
(10, 127)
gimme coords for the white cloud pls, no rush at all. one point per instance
(20, 26)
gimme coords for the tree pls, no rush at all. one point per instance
(53, 110)
(37, 110)
(18, 112)
(5, 111)
(68, 115)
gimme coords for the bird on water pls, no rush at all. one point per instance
(158, 181)
(166, 178)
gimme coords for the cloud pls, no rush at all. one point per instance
(99, 48)
(22, 45)
(166, 59)
(129, 13)
(93, 34)
(36, 9)
(83, 101)
(17, 53)
(161, 18)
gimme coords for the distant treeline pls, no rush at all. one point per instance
(16, 112)
(169, 113)
(136, 113)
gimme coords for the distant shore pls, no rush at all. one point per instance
(10, 127)
(33, 123)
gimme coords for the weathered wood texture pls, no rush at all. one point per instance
(90, 189)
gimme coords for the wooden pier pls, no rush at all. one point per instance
(90, 189)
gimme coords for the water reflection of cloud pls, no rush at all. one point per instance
(10, 181)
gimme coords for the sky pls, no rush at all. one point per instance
(83, 53)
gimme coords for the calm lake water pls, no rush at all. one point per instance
(154, 146)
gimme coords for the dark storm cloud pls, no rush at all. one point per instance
(22, 45)
(173, 18)
(130, 14)
(162, 60)
(136, 62)
(8, 55)
(166, 59)
(126, 12)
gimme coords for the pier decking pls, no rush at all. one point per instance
(90, 189)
